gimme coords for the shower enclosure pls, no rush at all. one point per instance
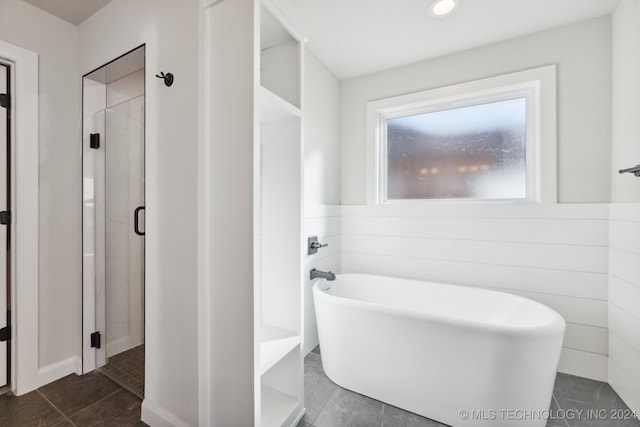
(113, 220)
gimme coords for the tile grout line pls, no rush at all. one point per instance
(323, 406)
(93, 403)
(553, 396)
(55, 407)
(126, 385)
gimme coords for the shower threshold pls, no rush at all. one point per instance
(127, 370)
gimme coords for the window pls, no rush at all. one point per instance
(477, 151)
(480, 142)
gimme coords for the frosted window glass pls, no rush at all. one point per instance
(475, 152)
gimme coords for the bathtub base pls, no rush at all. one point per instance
(459, 375)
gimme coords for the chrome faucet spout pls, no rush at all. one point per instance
(317, 274)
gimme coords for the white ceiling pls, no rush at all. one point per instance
(73, 11)
(357, 37)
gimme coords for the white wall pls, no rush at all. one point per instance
(321, 133)
(624, 230)
(322, 221)
(321, 178)
(60, 184)
(624, 302)
(583, 55)
(227, 221)
(170, 30)
(625, 149)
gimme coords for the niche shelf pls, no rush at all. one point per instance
(272, 107)
(276, 406)
(275, 343)
(280, 54)
(280, 391)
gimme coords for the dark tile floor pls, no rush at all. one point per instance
(127, 369)
(88, 400)
(95, 400)
(329, 405)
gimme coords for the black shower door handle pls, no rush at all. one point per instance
(136, 221)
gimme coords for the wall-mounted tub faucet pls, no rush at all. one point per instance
(317, 274)
(313, 245)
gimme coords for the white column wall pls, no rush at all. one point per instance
(624, 224)
(170, 31)
(60, 253)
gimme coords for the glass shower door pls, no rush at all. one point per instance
(113, 220)
(124, 248)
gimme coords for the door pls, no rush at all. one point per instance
(4, 227)
(113, 220)
(124, 224)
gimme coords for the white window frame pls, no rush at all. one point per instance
(537, 85)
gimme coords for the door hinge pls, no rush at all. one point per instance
(95, 340)
(94, 141)
(5, 217)
(5, 100)
(5, 334)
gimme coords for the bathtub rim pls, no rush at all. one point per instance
(556, 326)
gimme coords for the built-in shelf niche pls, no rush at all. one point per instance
(265, 127)
(280, 250)
(275, 343)
(279, 60)
(281, 391)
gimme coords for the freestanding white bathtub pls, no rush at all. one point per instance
(439, 350)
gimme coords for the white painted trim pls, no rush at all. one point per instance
(204, 213)
(58, 370)
(24, 280)
(299, 417)
(156, 416)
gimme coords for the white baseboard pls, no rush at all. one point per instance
(299, 417)
(584, 364)
(156, 416)
(55, 371)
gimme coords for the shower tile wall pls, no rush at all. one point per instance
(124, 192)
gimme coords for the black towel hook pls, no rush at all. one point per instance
(168, 78)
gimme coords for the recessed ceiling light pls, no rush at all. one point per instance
(441, 8)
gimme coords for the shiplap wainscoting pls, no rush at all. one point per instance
(624, 302)
(555, 254)
(322, 221)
